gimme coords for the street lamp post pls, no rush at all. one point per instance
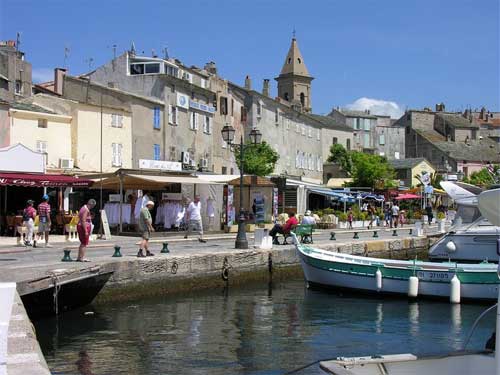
(255, 137)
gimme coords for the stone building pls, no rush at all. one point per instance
(449, 141)
(15, 72)
(189, 120)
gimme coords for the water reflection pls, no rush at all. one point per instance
(253, 330)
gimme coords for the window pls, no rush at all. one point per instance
(287, 124)
(41, 146)
(318, 163)
(381, 139)
(348, 144)
(145, 68)
(289, 60)
(309, 132)
(243, 114)
(156, 152)
(232, 107)
(259, 109)
(318, 134)
(286, 97)
(116, 120)
(156, 118)
(172, 115)
(19, 87)
(334, 140)
(207, 125)
(297, 128)
(302, 98)
(303, 130)
(203, 83)
(297, 159)
(224, 170)
(152, 68)
(171, 71)
(42, 123)
(366, 140)
(357, 123)
(277, 116)
(117, 155)
(193, 122)
(366, 122)
(304, 160)
(223, 105)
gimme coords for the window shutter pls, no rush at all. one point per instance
(195, 121)
(170, 114)
(114, 161)
(176, 115)
(119, 155)
(191, 120)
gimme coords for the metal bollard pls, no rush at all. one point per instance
(67, 256)
(395, 233)
(332, 236)
(411, 231)
(375, 234)
(164, 249)
(356, 236)
(117, 253)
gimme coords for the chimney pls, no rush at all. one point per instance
(59, 74)
(211, 67)
(265, 87)
(482, 113)
(248, 83)
(440, 107)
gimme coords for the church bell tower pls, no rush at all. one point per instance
(294, 81)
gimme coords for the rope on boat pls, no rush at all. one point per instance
(294, 371)
(476, 323)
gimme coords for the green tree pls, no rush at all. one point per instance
(371, 170)
(339, 155)
(482, 178)
(258, 159)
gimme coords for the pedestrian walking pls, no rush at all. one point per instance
(84, 229)
(350, 218)
(395, 213)
(193, 219)
(44, 219)
(429, 213)
(29, 215)
(371, 214)
(146, 228)
(388, 216)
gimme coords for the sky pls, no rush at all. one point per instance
(386, 56)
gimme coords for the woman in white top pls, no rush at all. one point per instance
(308, 219)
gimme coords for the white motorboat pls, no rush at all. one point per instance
(472, 237)
(460, 363)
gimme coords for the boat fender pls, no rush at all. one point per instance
(455, 290)
(378, 279)
(451, 247)
(413, 286)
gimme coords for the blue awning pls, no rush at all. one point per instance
(334, 194)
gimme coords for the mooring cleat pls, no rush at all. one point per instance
(356, 236)
(164, 249)
(332, 236)
(67, 256)
(117, 253)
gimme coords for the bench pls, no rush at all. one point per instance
(304, 231)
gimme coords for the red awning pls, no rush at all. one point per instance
(42, 180)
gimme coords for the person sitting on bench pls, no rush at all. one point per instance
(283, 229)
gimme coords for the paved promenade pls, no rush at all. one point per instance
(20, 263)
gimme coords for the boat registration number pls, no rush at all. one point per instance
(434, 276)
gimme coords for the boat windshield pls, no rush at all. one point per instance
(465, 215)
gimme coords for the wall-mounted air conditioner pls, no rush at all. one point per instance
(66, 163)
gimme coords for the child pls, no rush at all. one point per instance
(350, 217)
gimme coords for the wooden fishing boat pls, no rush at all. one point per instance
(414, 279)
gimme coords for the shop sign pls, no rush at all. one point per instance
(160, 164)
(182, 101)
(114, 197)
(230, 211)
(201, 107)
(171, 196)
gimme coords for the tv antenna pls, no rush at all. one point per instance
(66, 55)
(165, 52)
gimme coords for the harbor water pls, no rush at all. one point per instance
(258, 329)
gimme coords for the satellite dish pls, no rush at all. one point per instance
(489, 205)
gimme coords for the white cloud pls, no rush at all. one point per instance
(42, 75)
(377, 107)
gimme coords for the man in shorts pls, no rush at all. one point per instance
(146, 228)
(44, 218)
